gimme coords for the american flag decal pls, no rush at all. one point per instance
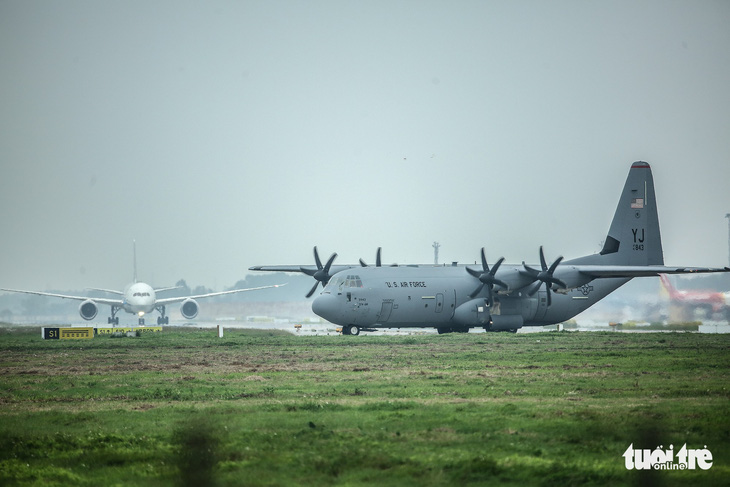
(637, 202)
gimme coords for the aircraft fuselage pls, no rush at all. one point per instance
(438, 296)
(139, 297)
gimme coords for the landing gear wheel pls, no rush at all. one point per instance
(141, 322)
(350, 330)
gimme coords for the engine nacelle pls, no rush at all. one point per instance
(472, 313)
(506, 322)
(189, 309)
(88, 310)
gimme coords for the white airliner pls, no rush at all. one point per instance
(138, 298)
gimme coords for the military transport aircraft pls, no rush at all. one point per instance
(137, 298)
(501, 297)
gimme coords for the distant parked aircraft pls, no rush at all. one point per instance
(137, 298)
(714, 301)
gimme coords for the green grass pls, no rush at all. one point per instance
(267, 408)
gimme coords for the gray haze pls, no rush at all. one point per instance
(222, 135)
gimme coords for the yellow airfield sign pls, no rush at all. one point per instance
(118, 329)
(71, 333)
(78, 332)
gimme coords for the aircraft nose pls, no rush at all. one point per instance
(325, 305)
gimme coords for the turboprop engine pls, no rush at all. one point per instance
(189, 309)
(472, 313)
(88, 310)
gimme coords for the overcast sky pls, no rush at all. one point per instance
(222, 135)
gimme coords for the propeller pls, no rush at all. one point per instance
(377, 259)
(322, 274)
(544, 276)
(487, 277)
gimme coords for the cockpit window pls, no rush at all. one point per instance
(141, 294)
(353, 281)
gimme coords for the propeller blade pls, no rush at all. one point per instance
(329, 264)
(546, 276)
(377, 257)
(473, 272)
(489, 295)
(322, 273)
(485, 266)
(316, 258)
(314, 288)
(499, 283)
(309, 272)
(362, 263)
(486, 276)
(529, 271)
(534, 289)
(496, 266)
(555, 265)
(558, 282)
(477, 291)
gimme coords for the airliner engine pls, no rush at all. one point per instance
(88, 310)
(189, 309)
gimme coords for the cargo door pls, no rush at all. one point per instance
(385, 311)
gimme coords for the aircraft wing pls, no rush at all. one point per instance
(199, 296)
(167, 288)
(111, 291)
(110, 302)
(603, 271)
(298, 268)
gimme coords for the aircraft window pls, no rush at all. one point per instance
(353, 281)
(336, 283)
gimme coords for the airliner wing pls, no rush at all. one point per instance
(603, 271)
(199, 296)
(167, 289)
(111, 291)
(110, 302)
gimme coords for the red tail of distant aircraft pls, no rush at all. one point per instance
(716, 300)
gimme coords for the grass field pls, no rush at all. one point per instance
(184, 407)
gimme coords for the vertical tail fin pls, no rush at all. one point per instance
(634, 237)
(134, 254)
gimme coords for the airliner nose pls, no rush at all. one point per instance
(325, 305)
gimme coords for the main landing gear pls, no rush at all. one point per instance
(162, 319)
(114, 319)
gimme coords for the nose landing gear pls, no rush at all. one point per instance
(351, 330)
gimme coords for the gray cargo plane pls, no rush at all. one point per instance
(501, 298)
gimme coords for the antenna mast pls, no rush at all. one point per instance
(436, 246)
(134, 256)
(728, 235)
